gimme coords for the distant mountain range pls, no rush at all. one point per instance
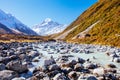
(100, 24)
(48, 27)
(9, 24)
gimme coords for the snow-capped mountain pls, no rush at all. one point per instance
(48, 27)
(14, 24)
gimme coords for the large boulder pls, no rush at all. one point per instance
(7, 75)
(17, 66)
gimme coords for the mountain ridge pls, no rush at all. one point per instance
(12, 23)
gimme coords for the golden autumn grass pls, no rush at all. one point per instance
(7, 38)
(106, 32)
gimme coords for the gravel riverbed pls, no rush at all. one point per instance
(58, 61)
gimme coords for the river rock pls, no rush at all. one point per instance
(72, 74)
(40, 75)
(90, 65)
(17, 66)
(2, 66)
(18, 79)
(7, 75)
(80, 60)
(111, 65)
(99, 71)
(48, 62)
(32, 78)
(117, 60)
(5, 60)
(33, 54)
(78, 67)
(91, 78)
(53, 73)
(54, 67)
(59, 76)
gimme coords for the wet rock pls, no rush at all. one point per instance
(2, 66)
(60, 76)
(17, 66)
(7, 75)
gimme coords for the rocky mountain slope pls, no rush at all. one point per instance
(48, 27)
(4, 29)
(105, 14)
(14, 24)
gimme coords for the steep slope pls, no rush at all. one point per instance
(48, 27)
(5, 30)
(14, 24)
(107, 31)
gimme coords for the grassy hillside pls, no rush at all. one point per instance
(107, 31)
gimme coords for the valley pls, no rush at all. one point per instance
(86, 49)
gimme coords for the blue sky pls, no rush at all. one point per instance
(32, 12)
